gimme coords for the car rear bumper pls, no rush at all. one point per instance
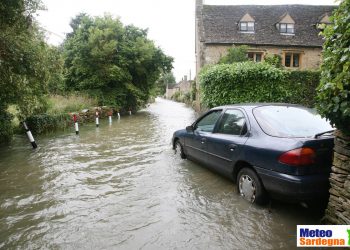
(295, 188)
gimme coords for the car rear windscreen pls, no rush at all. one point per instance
(290, 121)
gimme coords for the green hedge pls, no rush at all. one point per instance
(256, 82)
(301, 87)
(47, 122)
(6, 129)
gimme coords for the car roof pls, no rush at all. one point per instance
(258, 104)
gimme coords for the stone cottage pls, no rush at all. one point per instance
(184, 86)
(290, 31)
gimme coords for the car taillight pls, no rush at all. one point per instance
(298, 157)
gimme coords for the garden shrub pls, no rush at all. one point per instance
(48, 122)
(242, 82)
(257, 82)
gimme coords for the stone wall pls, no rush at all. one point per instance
(310, 58)
(338, 210)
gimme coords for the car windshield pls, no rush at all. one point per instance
(284, 121)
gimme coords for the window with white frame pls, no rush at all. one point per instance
(286, 28)
(247, 26)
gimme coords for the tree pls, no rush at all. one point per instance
(23, 60)
(334, 90)
(117, 64)
(166, 79)
(334, 103)
(235, 54)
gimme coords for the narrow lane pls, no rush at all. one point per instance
(120, 186)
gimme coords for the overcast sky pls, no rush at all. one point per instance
(170, 23)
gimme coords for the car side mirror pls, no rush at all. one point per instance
(189, 128)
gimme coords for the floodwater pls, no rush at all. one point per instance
(120, 186)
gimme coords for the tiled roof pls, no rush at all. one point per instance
(220, 24)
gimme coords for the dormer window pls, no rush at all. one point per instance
(246, 26)
(286, 25)
(286, 28)
(324, 20)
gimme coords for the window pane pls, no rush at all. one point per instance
(290, 28)
(233, 123)
(295, 60)
(207, 123)
(243, 26)
(287, 60)
(282, 121)
(250, 26)
(258, 57)
(283, 28)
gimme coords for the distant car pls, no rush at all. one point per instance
(282, 151)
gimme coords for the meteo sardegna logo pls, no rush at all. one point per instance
(323, 236)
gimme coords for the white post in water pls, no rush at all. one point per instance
(129, 111)
(118, 115)
(76, 125)
(110, 113)
(29, 135)
(97, 121)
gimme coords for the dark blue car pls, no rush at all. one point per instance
(282, 151)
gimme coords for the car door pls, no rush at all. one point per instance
(196, 141)
(225, 145)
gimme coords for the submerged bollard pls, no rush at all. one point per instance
(110, 113)
(118, 114)
(29, 135)
(76, 125)
(97, 121)
(129, 111)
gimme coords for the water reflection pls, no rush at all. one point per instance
(120, 186)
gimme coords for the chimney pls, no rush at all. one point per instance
(199, 3)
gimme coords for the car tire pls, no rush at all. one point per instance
(250, 187)
(179, 149)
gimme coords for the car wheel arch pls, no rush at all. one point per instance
(240, 165)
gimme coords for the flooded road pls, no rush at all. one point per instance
(120, 186)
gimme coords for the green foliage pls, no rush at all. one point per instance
(176, 96)
(334, 90)
(117, 64)
(257, 82)
(24, 59)
(48, 122)
(6, 129)
(235, 54)
(300, 87)
(164, 80)
(274, 60)
(56, 84)
(70, 103)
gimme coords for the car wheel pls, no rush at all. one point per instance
(250, 186)
(179, 149)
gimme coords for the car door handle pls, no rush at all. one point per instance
(203, 140)
(232, 147)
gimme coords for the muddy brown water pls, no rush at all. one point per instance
(120, 186)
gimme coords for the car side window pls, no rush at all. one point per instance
(233, 122)
(207, 123)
